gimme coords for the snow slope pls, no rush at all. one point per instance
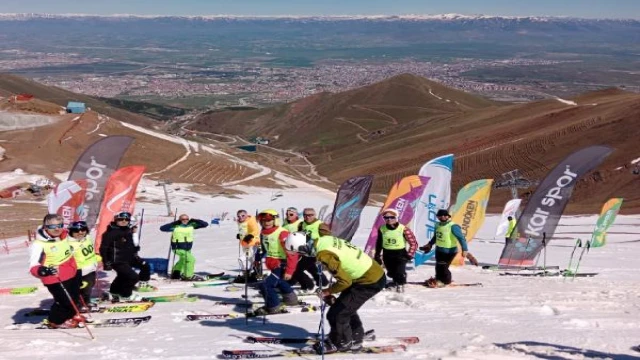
(507, 318)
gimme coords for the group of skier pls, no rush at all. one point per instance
(296, 251)
(293, 248)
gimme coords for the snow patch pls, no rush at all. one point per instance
(171, 138)
(14, 121)
(2, 151)
(431, 92)
(568, 102)
(635, 161)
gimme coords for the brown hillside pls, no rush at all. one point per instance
(325, 122)
(385, 130)
(12, 84)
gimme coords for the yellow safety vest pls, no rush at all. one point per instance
(510, 233)
(393, 239)
(352, 259)
(243, 229)
(313, 229)
(293, 227)
(84, 253)
(444, 236)
(56, 252)
(272, 244)
(182, 234)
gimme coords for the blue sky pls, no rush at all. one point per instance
(577, 8)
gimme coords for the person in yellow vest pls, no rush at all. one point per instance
(310, 225)
(248, 230)
(393, 240)
(358, 279)
(181, 243)
(51, 260)
(278, 261)
(248, 239)
(292, 220)
(446, 238)
(86, 259)
(511, 230)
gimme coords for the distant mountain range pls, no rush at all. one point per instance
(415, 17)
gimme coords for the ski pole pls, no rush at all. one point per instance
(75, 308)
(578, 244)
(175, 214)
(140, 227)
(587, 247)
(323, 304)
(246, 285)
(526, 250)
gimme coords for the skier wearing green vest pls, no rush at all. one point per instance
(393, 241)
(310, 225)
(181, 243)
(446, 238)
(358, 279)
(86, 259)
(511, 234)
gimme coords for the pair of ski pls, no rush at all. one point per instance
(102, 323)
(451, 285)
(560, 273)
(181, 297)
(251, 314)
(111, 308)
(400, 344)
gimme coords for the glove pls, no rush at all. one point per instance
(378, 260)
(248, 238)
(329, 300)
(107, 266)
(137, 248)
(98, 258)
(426, 248)
(238, 236)
(47, 271)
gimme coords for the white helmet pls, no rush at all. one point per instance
(297, 242)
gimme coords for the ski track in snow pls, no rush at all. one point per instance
(507, 318)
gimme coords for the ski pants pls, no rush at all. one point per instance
(396, 264)
(443, 261)
(62, 308)
(307, 282)
(343, 315)
(86, 286)
(186, 264)
(270, 284)
(125, 280)
(145, 269)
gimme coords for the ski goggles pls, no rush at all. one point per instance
(389, 217)
(266, 217)
(53, 226)
(78, 226)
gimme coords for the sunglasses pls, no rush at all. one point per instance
(291, 214)
(122, 219)
(184, 219)
(309, 215)
(389, 217)
(54, 226)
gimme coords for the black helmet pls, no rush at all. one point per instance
(122, 215)
(78, 226)
(442, 212)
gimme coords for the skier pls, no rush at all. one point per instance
(139, 263)
(446, 237)
(118, 252)
(249, 238)
(358, 279)
(392, 241)
(181, 243)
(511, 234)
(279, 262)
(310, 225)
(86, 259)
(51, 260)
(292, 221)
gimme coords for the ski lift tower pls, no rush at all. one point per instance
(514, 181)
(164, 184)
